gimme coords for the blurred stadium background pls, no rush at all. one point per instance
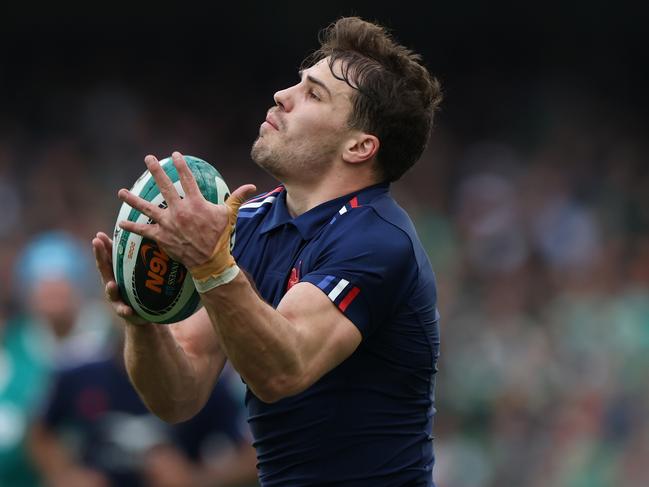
(532, 197)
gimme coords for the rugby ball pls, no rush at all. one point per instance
(157, 287)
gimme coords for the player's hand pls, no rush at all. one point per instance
(189, 228)
(102, 247)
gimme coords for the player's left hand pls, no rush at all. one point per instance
(190, 227)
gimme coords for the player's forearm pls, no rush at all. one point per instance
(261, 344)
(161, 372)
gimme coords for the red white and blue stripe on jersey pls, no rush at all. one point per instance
(353, 203)
(339, 291)
(259, 205)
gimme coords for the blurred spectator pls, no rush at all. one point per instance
(23, 381)
(491, 224)
(53, 326)
(212, 449)
(96, 432)
(57, 290)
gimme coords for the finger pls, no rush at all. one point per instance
(142, 229)
(103, 245)
(162, 180)
(126, 312)
(122, 309)
(112, 292)
(239, 196)
(103, 260)
(108, 243)
(187, 180)
(140, 204)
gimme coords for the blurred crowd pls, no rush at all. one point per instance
(539, 238)
(542, 257)
(68, 414)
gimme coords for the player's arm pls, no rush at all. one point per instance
(280, 352)
(173, 367)
(277, 352)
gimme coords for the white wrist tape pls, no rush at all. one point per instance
(215, 281)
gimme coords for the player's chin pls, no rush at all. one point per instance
(259, 150)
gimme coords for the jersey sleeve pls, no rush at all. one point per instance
(364, 269)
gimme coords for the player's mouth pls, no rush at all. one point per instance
(270, 120)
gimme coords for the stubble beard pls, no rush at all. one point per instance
(267, 157)
(290, 161)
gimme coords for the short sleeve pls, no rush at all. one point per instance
(365, 268)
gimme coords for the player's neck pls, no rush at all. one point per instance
(300, 198)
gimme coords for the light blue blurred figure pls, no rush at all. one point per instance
(58, 325)
(57, 288)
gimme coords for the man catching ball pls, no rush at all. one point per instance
(333, 326)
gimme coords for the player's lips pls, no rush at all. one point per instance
(271, 123)
(270, 120)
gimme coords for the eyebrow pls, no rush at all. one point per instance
(318, 82)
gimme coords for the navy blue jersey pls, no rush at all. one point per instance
(368, 422)
(98, 414)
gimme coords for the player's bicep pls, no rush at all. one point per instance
(326, 336)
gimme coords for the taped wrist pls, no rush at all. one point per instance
(220, 261)
(221, 267)
(204, 285)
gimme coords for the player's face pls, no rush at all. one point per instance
(303, 134)
(56, 302)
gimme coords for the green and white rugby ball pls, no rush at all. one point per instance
(157, 287)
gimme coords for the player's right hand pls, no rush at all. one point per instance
(102, 247)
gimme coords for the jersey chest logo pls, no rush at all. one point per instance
(294, 278)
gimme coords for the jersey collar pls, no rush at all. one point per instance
(310, 222)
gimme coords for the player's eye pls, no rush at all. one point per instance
(314, 95)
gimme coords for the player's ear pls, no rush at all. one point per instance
(360, 147)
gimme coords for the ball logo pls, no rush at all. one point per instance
(156, 262)
(162, 273)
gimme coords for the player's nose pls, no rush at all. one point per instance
(283, 99)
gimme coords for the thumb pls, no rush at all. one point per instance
(239, 196)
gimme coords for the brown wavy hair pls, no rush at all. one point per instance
(395, 97)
